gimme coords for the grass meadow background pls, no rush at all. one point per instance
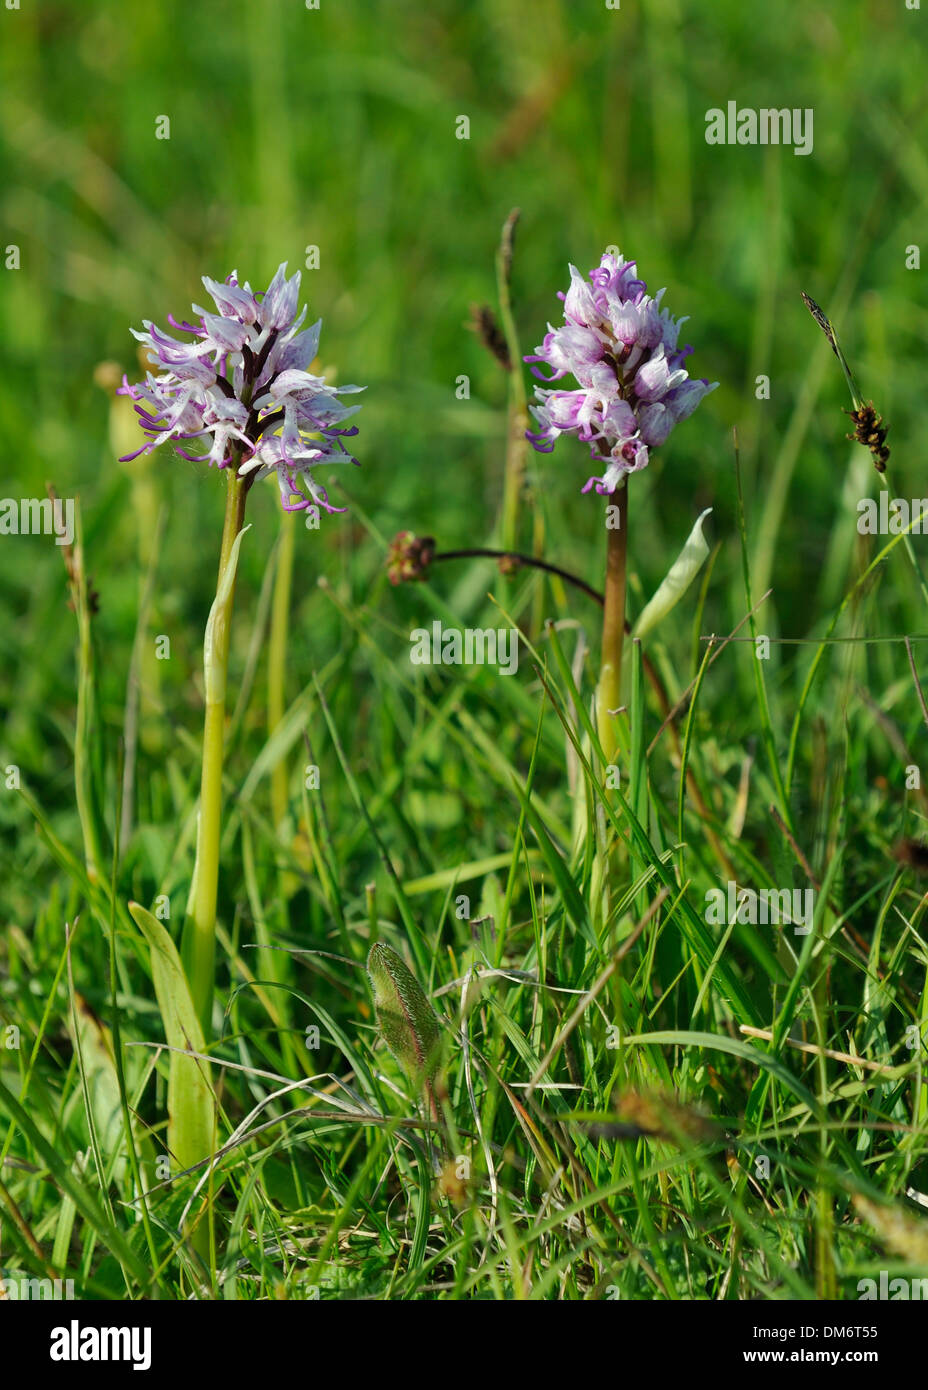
(335, 128)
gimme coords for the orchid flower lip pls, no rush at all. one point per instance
(244, 376)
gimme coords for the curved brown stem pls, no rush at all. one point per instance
(529, 561)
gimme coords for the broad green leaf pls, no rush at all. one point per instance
(190, 1096)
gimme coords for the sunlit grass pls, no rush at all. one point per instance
(633, 1100)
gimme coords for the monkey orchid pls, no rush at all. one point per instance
(621, 347)
(238, 392)
(242, 391)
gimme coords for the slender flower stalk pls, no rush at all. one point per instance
(621, 347)
(277, 657)
(199, 939)
(241, 393)
(609, 690)
(275, 964)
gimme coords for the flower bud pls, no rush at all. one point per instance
(406, 1019)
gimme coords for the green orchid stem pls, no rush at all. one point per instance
(277, 657)
(275, 964)
(199, 938)
(608, 693)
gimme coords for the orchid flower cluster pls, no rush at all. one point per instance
(243, 388)
(621, 347)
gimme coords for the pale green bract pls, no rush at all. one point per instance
(677, 580)
(214, 671)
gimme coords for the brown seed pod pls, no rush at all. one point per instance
(483, 323)
(870, 431)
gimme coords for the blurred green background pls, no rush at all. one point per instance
(335, 128)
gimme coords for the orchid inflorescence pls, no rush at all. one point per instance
(243, 387)
(621, 347)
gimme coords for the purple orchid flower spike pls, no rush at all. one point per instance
(621, 348)
(242, 388)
